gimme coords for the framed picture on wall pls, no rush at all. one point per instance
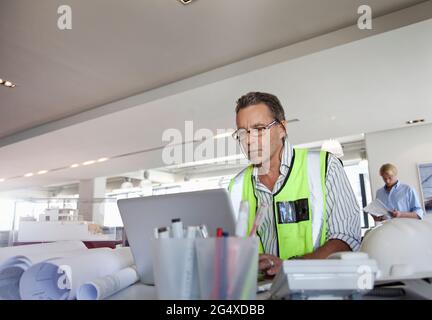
(425, 176)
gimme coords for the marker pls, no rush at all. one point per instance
(156, 233)
(163, 233)
(177, 228)
(203, 230)
(219, 233)
(216, 294)
(191, 232)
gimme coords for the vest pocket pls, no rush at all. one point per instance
(294, 239)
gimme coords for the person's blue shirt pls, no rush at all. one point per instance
(401, 198)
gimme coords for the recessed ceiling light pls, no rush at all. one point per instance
(88, 162)
(42, 171)
(28, 174)
(74, 165)
(415, 121)
(223, 135)
(185, 1)
(102, 159)
(292, 120)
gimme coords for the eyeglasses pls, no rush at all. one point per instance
(241, 134)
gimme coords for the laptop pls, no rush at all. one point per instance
(140, 216)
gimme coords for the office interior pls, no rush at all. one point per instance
(90, 106)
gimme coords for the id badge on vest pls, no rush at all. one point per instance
(293, 211)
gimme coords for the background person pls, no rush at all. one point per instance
(400, 198)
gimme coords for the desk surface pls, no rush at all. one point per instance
(138, 291)
(141, 291)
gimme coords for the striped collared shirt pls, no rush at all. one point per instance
(343, 210)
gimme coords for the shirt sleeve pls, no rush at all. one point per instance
(343, 210)
(415, 203)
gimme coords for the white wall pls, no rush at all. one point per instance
(405, 148)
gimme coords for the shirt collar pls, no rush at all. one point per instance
(394, 187)
(285, 159)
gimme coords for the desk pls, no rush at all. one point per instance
(138, 291)
(141, 291)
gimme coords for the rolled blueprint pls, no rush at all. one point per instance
(59, 279)
(103, 287)
(35, 252)
(16, 260)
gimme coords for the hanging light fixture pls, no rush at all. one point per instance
(334, 147)
(127, 184)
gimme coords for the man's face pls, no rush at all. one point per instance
(259, 148)
(389, 178)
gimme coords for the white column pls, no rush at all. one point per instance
(91, 193)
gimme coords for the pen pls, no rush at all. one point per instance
(256, 223)
(177, 228)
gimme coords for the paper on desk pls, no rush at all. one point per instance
(103, 287)
(59, 279)
(377, 209)
(10, 273)
(16, 260)
(33, 251)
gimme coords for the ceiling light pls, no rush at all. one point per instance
(223, 135)
(415, 121)
(334, 147)
(74, 165)
(127, 184)
(2, 180)
(28, 174)
(185, 1)
(42, 171)
(102, 159)
(292, 120)
(88, 162)
(7, 83)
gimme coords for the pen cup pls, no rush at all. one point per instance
(175, 269)
(227, 268)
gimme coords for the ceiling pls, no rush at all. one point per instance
(119, 48)
(371, 84)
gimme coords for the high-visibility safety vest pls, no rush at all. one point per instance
(299, 206)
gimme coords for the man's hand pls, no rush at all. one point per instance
(397, 214)
(269, 264)
(379, 219)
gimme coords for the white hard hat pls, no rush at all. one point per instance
(402, 248)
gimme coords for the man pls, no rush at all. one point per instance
(306, 206)
(400, 198)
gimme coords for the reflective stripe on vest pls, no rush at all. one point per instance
(293, 238)
(316, 196)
